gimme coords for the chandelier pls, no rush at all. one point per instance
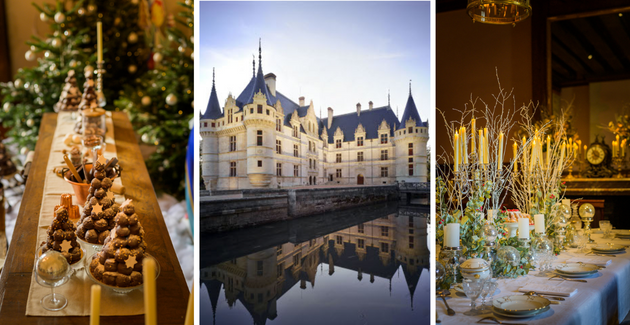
(499, 12)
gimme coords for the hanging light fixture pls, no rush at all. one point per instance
(499, 12)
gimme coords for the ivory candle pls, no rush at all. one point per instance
(150, 307)
(539, 223)
(533, 156)
(445, 234)
(95, 304)
(465, 144)
(575, 150)
(523, 228)
(99, 40)
(456, 150)
(485, 146)
(515, 147)
(500, 158)
(524, 141)
(561, 157)
(490, 215)
(472, 135)
(453, 235)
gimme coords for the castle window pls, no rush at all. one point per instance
(384, 138)
(338, 157)
(385, 247)
(338, 143)
(278, 250)
(278, 124)
(383, 154)
(296, 132)
(296, 171)
(260, 297)
(410, 159)
(233, 143)
(361, 228)
(309, 146)
(384, 231)
(338, 173)
(295, 150)
(410, 222)
(278, 169)
(360, 142)
(259, 109)
(416, 130)
(410, 169)
(259, 137)
(251, 110)
(411, 149)
(260, 163)
(314, 163)
(229, 116)
(280, 269)
(259, 268)
(410, 130)
(360, 156)
(279, 147)
(232, 168)
(237, 119)
(267, 112)
(212, 124)
(410, 241)
(361, 243)
(404, 132)
(310, 163)
(339, 240)
(205, 124)
(384, 172)
(411, 231)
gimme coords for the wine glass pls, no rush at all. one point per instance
(472, 289)
(488, 289)
(52, 270)
(606, 227)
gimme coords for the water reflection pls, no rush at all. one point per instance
(367, 263)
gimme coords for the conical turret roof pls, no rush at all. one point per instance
(213, 110)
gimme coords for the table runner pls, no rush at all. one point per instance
(77, 289)
(604, 299)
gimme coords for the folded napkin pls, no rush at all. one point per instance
(549, 290)
(597, 260)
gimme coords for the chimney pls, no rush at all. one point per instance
(330, 117)
(270, 80)
(371, 105)
(301, 101)
(359, 109)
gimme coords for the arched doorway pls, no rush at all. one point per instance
(360, 179)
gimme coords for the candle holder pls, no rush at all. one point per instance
(619, 162)
(587, 211)
(453, 254)
(570, 176)
(524, 242)
(99, 84)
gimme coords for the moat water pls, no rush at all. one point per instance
(360, 266)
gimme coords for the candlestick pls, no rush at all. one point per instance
(150, 306)
(95, 304)
(453, 235)
(500, 158)
(539, 223)
(523, 228)
(99, 40)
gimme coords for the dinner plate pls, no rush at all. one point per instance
(576, 268)
(535, 313)
(608, 247)
(520, 304)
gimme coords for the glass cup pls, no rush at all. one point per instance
(606, 227)
(472, 289)
(488, 289)
(52, 270)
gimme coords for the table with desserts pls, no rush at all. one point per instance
(20, 293)
(603, 299)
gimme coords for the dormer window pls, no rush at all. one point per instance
(360, 142)
(338, 143)
(410, 130)
(384, 138)
(260, 109)
(279, 124)
(296, 132)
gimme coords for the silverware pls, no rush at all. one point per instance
(492, 318)
(567, 279)
(449, 310)
(532, 293)
(604, 255)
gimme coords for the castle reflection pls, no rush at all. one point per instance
(380, 248)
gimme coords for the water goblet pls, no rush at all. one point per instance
(606, 227)
(52, 270)
(488, 289)
(472, 289)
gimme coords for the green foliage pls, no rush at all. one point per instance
(159, 124)
(71, 44)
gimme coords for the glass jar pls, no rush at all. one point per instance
(94, 122)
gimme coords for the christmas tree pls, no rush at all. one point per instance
(161, 106)
(70, 95)
(100, 207)
(61, 237)
(71, 44)
(120, 261)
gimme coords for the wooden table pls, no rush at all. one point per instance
(172, 291)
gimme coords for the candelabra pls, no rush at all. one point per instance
(453, 254)
(490, 234)
(587, 211)
(570, 176)
(620, 162)
(99, 84)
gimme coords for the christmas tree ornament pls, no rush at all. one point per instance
(24, 150)
(72, 63)
(171, 99)
(157, 57)
(132, 68)
(81, 11)
(166, 163)
(29, 55)
(68, 33)
(192, 104)
(91, 8)
(132, 38)
(181, 49)
(146, 101)
(117, 21)
(27, 85)
(43, 17)
(33, 48)
(39, 101)
(48, 54)
(145, 138)
(86, 39)
(192, 39)
(7, 106)
(30, 123)
(192, 55)
(55, 42)
(60, 17)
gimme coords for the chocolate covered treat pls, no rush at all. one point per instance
(89, 94)
(70, 95)
(100, 207)
(120, 262)
(61, 237)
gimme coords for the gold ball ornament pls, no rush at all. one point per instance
(117, 21)
(171, 99)
(73, 63)
(81, 11)
(30, 55)
(18, 83)
(60, 17)
(132, 68)
(146, 101)
(52, 266)
(48, 54)
(157, 57)
(132, 38)
(43, 17)
(68, 33)
(181, 49)
(30, 123)
(91, 8)
(7, 107)
(55, 42)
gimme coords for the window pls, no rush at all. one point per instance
(251, 110)
(230, 116)
(310, 163)
(410, 129)
(339, 240)
(279, 124)
(260, 163)
(385, 247)
(410, 241)
(360, 156)
(295, 132)
(279, 147)
(296, 171)
(259, 109)
(384, 231)
(212, 124)
(361, 243)
(296, 150)
(278, 250)
(309, 146)
(232, 168)
(338, 143)
(259, 137)
(411, 231)
(410, 169)
(360, 142)
(233, 143)
(361, 228)
(384, 138)
(267, 112)
(315, 163)
(338, 157)
(260, 297)
(410, 160)
(280, 269)
(205, 124)
(237, 119)
(410, 222)
(384, 172)
(296, 259)
(259, 268)
(411, 149)
(278, 169)
(383, 154)
(338, 173)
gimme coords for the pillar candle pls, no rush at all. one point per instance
(150, 306)
(453, 235)
(533, 155)
(500, 158)
(472, 135)
(490, 215)
(515, 147)
(566, 202)
(575, 150)
(445, 234)
(523, 228)
(523, 142)
(95, 304)
(539, 222)
(99, 40)
(480, 146)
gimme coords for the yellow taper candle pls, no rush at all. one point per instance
(524, 154)
(515, 147)
(464, 138)
(95, 305)
(500, 157)
(99, 40)
(150, 305)
(472, 135)
(190, 312)
(548, 151)
(480, 146)
(456, 149)
(486, 151)
(585, 152)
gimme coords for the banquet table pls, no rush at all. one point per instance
(172, 290)
(604, 299)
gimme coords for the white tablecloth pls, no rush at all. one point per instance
(604, 299)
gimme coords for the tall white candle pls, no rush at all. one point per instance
(453, 235)
(523, 228)
(445, 234)
(491, 215)
(539, 222)
(464, 138)
(500, 157)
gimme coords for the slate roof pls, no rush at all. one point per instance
(410, 111)
(213, 110)
(370, 119)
